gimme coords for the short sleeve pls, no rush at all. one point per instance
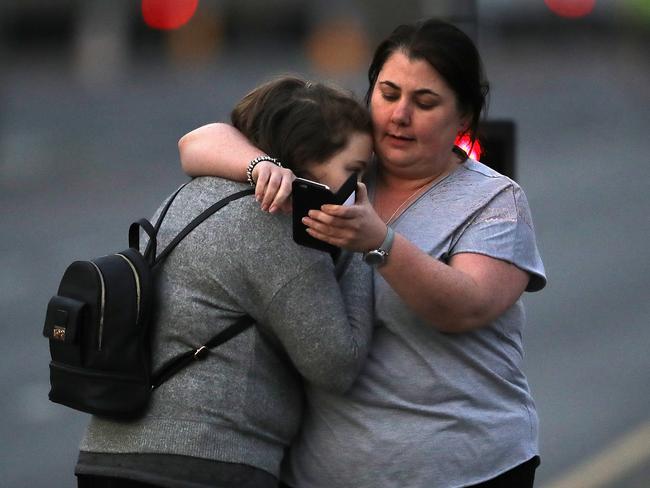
(503, 229)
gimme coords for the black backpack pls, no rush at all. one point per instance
(98, 326)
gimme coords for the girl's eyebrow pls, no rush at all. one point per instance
(421, 91)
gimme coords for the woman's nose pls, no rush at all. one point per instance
(401, 113)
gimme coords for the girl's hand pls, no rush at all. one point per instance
(273, 187)
(355, 228)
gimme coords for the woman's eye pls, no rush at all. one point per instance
(425, 105)
(390, 96)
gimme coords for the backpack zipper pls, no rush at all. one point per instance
(137, 286)
(102, 304)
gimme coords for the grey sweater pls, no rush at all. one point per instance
(243, 403)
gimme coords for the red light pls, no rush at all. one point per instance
(571, 8)
(168, 14)
(474, 151)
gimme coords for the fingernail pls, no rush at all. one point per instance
(273, 208)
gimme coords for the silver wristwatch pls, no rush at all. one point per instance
(378, 256)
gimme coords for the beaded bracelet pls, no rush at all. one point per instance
(254, 162)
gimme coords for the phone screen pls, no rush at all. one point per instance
(351, 199)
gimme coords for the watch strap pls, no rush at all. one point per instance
(388, 240)
(377, 257)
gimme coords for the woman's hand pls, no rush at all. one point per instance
(355, 228)
(273, 187)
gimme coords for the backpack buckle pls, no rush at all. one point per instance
(201, 352)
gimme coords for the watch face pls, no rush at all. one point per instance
(375, 257)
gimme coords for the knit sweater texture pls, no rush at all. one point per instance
(243, 403)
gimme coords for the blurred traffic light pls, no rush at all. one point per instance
(571, 8)
(168, 14)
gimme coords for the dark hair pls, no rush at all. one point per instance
(450, 52)
(299, 122)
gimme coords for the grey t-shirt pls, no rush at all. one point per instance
(431, 409)
(243, 402)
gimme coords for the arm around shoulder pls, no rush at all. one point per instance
(219, 149)
(216, 149)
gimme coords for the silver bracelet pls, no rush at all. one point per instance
(255, 162)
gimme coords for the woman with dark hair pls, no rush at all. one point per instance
(442, 400)
(227, 420)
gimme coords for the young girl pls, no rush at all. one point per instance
(227, 420)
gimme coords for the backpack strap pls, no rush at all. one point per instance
(150, 251)
(151, 231)
(198, 220)
(176, 364)
(134, 236)
(181, 361)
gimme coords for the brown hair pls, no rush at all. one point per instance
(299, 122)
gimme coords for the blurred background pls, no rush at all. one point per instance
(94, 96)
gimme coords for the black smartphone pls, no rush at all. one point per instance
(307, 195)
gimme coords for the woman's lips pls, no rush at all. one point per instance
(398, 139)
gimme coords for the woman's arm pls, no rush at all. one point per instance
(325, 329)
(468, 293)
(216, 150)
(221, 150)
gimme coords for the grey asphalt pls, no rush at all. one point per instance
(79, 162)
